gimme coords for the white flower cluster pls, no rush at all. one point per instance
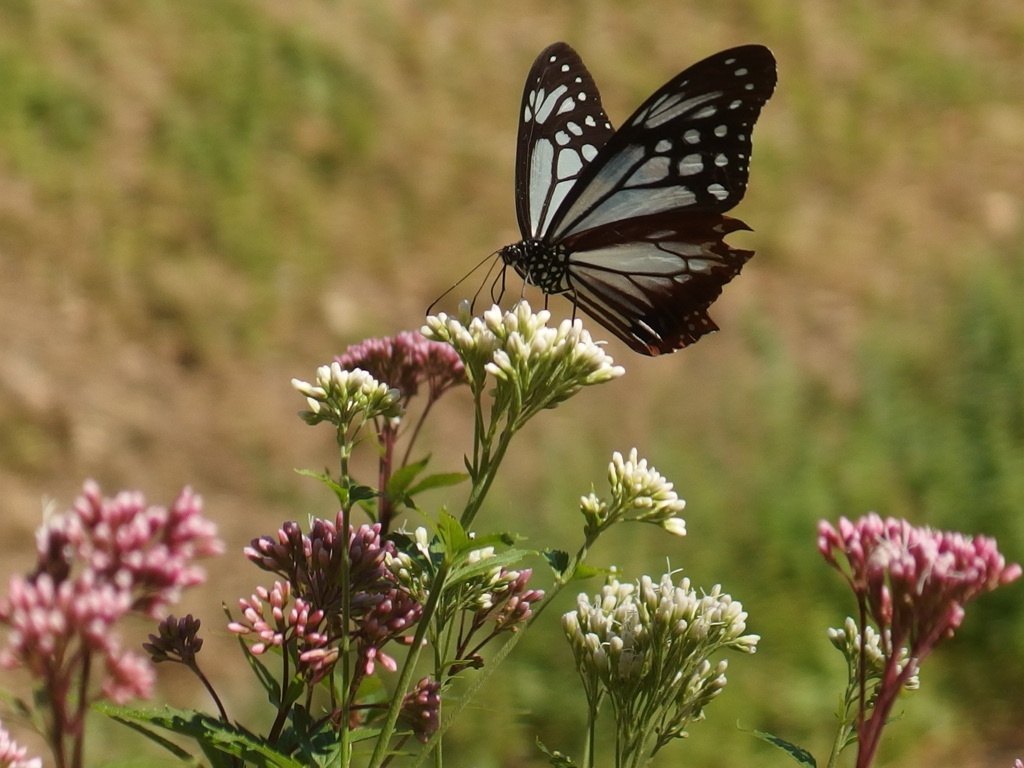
(638, 493)
(648, 647)
(847, 640)
(340, 396)
(413, 572)
(535, 366)
(483, 575)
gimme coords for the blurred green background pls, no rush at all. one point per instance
(200, 199)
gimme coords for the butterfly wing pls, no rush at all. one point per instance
(643, 224)
(562, 128)
(686, 149)
(652, 283)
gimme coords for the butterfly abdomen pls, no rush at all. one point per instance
(538, 263)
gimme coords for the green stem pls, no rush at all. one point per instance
(591, 747)
(345, 754)
(846, 720)
(484, 474)
(409, 669)
(485, 673)
(283, 706)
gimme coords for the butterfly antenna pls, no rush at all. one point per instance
(462, 279)
(497, 287)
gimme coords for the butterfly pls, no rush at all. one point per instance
(628, 224)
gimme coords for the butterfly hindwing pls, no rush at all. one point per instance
(653, 284)
(562, 128)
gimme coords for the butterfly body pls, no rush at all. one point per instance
(629, 224)
(540, 264)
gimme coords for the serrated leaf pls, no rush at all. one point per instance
(799, 754)
(557, 559)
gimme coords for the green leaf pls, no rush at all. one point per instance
(799, 754)
(359, 493)
(440, 480)
(452, 535)
(584, 571)
(556, 758)
(208, 732)
(346, 496)
(465, 571)
(402, 477)
(559, 562)
(153, 736)
(499, 539)
(266, 678)
(557, 559)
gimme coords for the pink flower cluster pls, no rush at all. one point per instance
(12, 755)
(914, 584)
(915, 581)
(406, 361)
(421, 708)
(97, 562)
(511, 603)
(307, 606)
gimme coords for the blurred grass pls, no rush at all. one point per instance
(200, 200)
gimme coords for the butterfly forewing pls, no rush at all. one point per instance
(562, 128)
(687, 148)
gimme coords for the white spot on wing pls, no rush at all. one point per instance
(718, 191)
(663, 146)
(569, 163)
(547, 102)
(690, 165)
(691, 136)
(541, 161)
